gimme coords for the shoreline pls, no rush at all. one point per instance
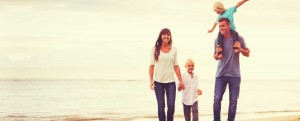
(150, 118)
(279, 118)
(176, 118)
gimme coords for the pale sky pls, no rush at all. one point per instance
(111, 39)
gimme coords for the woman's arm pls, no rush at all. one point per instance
(178, 73)
(151, 71)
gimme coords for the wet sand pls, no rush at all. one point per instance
(147, 118)
(282, 118)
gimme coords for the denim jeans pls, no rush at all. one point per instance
(187, 111)
(170, 90)
(234, 90)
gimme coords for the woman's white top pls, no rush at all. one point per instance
(189, 94)
(164, 67)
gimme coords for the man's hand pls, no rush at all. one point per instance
(237, 45)
(220, 56)
(218, 51)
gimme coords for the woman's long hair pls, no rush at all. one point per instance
(159, 42)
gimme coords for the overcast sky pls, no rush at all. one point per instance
(111, 39)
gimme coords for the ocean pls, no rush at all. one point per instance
(132, 100)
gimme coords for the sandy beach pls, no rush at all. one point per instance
(282, 118)
(152, 118)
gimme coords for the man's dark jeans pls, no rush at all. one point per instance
(234, 90)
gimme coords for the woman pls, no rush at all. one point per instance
(164, 59)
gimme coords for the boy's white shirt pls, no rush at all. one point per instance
(189, 94)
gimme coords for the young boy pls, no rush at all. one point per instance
(226, 13)
(191, 92)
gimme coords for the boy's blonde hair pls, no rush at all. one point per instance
(189, 61)
(219, 6)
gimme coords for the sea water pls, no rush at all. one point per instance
(59, 99)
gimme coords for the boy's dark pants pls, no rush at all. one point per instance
(187, 111)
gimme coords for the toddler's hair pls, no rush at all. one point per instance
(219, 6)
(189, 61)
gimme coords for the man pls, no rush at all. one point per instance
(228, 71)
